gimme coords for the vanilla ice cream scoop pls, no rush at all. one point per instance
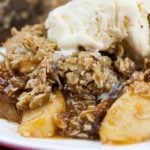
(96, 25)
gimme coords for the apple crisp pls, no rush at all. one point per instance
(89, 81)
(83, 74)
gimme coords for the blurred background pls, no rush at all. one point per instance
(18, 13)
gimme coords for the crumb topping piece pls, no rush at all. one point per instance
(87, 73)
(29, 55)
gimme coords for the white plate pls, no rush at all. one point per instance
(9, 137)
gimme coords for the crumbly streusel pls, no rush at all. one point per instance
(31, 56)
(87, 73)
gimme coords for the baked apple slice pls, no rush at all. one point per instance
(128, 120)
(42, 121)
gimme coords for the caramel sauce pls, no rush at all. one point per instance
(117, 143)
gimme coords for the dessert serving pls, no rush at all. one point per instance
(84, 73)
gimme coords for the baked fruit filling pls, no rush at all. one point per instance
(49, 93)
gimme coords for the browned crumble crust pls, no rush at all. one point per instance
(9, 85)
(8, 96)
(87, 73)
(30, 56)
(83, 118)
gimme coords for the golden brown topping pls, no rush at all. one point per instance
(125, 66)
(29, 55)
(87, 73)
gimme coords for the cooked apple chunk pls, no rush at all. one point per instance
(42, 121)
(128, 120)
